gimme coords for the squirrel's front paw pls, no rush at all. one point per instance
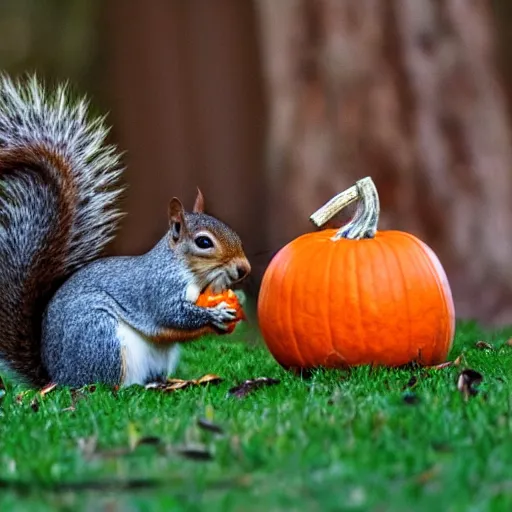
(222, 315)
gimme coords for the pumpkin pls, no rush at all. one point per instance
(207, 299)
(336, 298)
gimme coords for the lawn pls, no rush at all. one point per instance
(369, 439)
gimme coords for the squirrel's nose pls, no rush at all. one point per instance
(242, 269)
(241, 272)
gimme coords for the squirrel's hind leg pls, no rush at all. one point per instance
(80, 348)
(173, 359)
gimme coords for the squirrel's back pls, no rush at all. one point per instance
(58, 188)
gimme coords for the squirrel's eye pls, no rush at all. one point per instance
(203, 242)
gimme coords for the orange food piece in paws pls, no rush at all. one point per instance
(207, 299)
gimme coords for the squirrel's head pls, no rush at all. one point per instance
(211, 250)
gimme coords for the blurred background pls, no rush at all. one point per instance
(274, 106)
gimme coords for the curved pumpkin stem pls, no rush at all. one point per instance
(365, 221)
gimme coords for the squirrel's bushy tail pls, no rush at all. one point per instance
(58, 188)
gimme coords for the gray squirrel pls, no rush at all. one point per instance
(69, 315)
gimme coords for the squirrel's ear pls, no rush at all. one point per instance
(176, 218)
(199, 203)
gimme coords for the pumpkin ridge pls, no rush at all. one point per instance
(397, 285)
(406, 295)
(346, 298)
(341, 308)
(413, 260)
(289, 319)
(429, 254)
(360, 317)
(303, 292)
(389, 285)
(426, 269)
(373, 248)
(328, 316)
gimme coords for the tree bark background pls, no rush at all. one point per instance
(187, 103)
(274, 106)
(409, 93)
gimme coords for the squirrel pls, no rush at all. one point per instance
(70, 315)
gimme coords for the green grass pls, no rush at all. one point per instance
(332, 441)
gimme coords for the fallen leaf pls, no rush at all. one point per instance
(509, 342)
(447, 364)
(77, 395)
(251, 385)
(456, 362)
(427, 475)
(149, 440)
(410, 398)
(174, 384)
(467, 381)
(208, 379)
(194, 452)
(47, 389)
(412, 382)
(171, 384)
(35, 404)
(20, 396)
(209, 425)
(483, 345)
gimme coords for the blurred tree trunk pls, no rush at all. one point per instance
(408, 92)
(187, 105)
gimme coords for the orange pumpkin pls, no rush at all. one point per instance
(208, 299)
(356, 296)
